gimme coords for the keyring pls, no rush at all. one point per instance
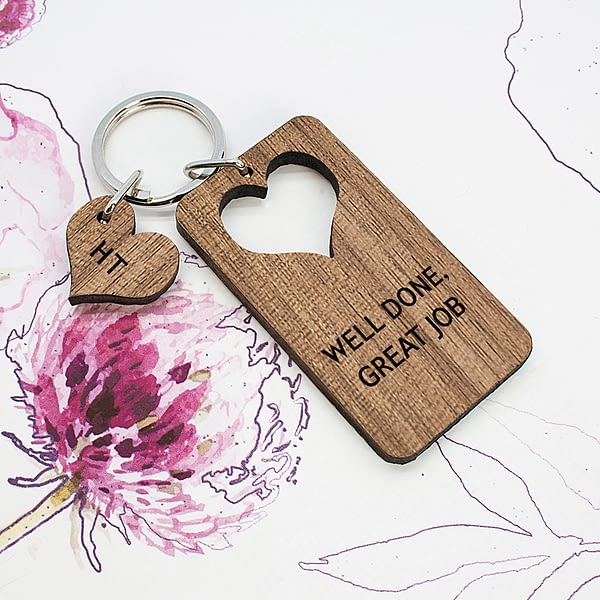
(156, 99)
(386, 278)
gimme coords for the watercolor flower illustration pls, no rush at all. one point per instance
(175, 423)
(17, 17)
(150, 419)
(529, 546)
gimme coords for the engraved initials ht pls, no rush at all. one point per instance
(104, 254)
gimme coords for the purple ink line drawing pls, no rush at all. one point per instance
(588, 445)
(529, 121)
(519, 545)
(411, 576)
(584, 584)
(537, 518)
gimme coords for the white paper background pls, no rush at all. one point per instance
(419, 92)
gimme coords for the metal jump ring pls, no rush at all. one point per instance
(152, 100)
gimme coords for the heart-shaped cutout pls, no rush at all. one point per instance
(295, 216)
(111, 263)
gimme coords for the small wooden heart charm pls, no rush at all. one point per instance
(111, 263)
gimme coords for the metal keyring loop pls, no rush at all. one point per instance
(153, 100)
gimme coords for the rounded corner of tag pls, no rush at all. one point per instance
(526, 345)
(309, 121)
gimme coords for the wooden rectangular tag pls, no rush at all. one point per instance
(392, 328)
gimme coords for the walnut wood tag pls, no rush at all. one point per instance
(111, 264)
(392, 328)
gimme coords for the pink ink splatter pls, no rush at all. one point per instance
(175, 422)
(41, 180)
(17, 18)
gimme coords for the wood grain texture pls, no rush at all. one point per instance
(111, 264)
(393, 329)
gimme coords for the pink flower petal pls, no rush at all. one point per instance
(17, 17)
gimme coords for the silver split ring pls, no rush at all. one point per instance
(152, 100)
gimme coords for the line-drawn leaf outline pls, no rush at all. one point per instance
(479, 490)
(477, 473)
(463, 566)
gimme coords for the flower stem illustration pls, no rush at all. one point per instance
(55, 502)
